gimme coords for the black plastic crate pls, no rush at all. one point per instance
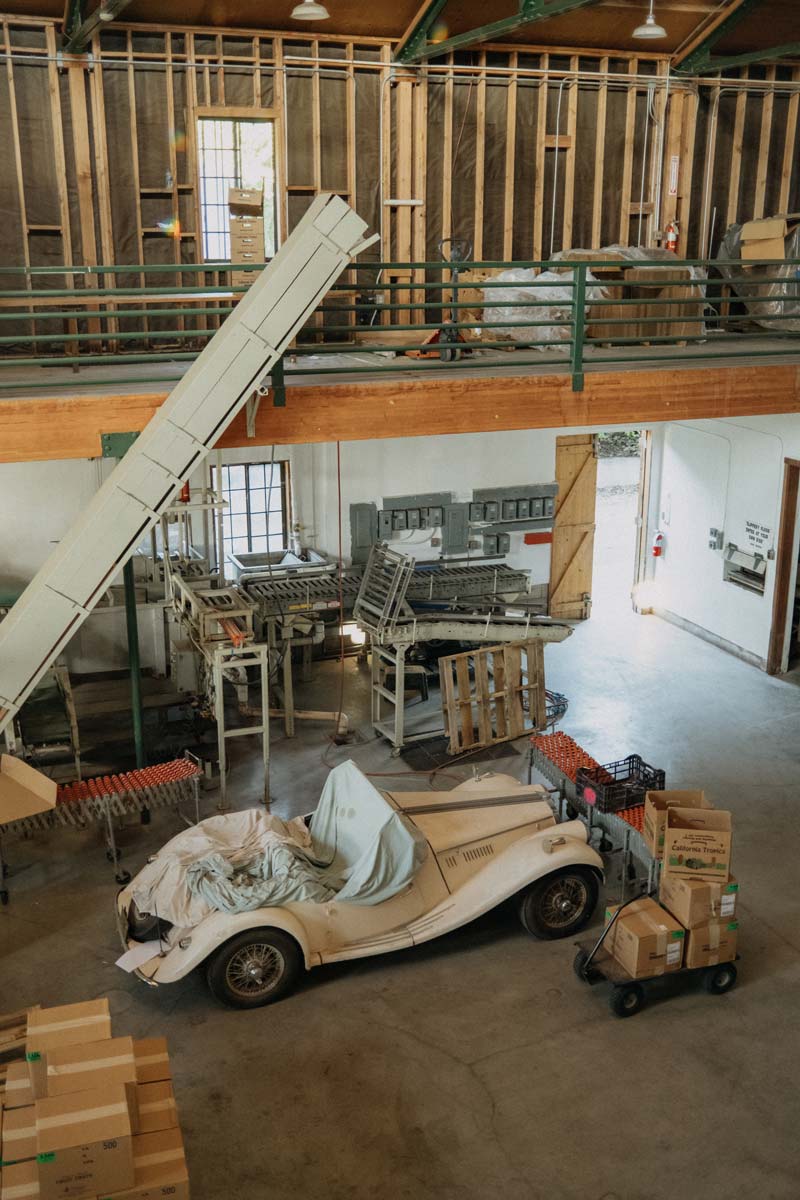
(619, 784)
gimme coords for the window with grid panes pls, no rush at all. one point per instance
(234, 153)
(256, 518)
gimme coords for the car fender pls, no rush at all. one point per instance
(218, 928)
(521, 864)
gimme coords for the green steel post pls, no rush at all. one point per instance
(578, 325)
(278, 385)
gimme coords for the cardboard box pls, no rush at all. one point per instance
(81, 1068)
(24, 791)
(244, 278)
(655, 814)
(697, 843)
(711, 944)
(242, 224)
(18, 1093)
(160, 1166)
(764, 239)
(246, 200)
(246, 242)
(67, 1025)
(645, 939)
(20, 1182)
(695, 902)
(152, 1060)
(84, 1144)
(19, 1135)
(155, 1107)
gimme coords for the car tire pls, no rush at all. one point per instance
(257, 967)
(560, 904)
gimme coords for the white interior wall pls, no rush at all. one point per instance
(726, 474)
(456, 463)
(42, 500)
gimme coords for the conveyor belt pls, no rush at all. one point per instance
(434, 583)
(94, 800)
(557, 757)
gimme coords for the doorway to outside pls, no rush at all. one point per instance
(596, 533)
(235, 152)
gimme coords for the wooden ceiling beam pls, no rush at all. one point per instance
(64, 427)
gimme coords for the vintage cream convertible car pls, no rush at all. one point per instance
(257, 899)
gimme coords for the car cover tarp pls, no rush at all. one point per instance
(358, 849)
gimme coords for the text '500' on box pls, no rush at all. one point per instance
(84, 1144)
(160, 1166)
(697, 843)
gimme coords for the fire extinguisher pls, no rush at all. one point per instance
(658, 544)
(185, 494)
(671, 234)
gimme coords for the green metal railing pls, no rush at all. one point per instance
(162, 315)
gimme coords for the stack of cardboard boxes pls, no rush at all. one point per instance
(694, 923)
(88, 1116)
(246, 208)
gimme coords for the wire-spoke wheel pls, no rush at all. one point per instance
(559, 904)
(257, 967)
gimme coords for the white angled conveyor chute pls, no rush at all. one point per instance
(189, 423)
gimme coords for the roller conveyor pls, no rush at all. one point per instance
(106, 798)
(434, 584)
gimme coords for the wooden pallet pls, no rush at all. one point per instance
(502, 699)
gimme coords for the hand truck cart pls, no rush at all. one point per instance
(595, 965)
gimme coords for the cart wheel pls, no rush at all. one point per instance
(579, 964)
(626, 999)
(720, 979)
(123, 877)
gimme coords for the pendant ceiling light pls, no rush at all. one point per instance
(309, 10)
(650, 29)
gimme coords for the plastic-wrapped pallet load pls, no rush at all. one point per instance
(737, 259)
(532, 296)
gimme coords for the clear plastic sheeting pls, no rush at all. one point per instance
(358, 849)
(532, 296)
(774, 305)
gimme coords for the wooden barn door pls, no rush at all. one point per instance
(573, 527)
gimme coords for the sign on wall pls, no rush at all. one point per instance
(758, 536)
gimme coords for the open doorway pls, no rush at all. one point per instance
(235, 152)
(784, 643)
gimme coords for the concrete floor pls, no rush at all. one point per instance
(477, 1065)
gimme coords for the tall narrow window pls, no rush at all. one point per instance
(234, 153)
(256, 518)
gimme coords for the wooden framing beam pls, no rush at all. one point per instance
(64, 427)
